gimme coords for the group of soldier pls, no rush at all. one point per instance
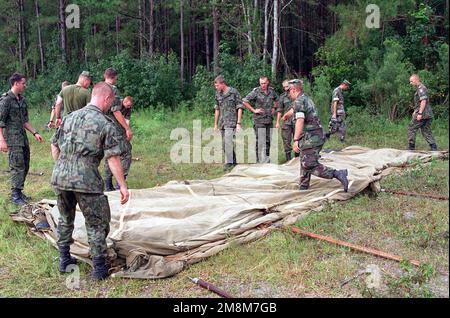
(96, 126)
(301, 129)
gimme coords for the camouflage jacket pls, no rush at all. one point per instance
(228, 104)
(420, 95)
(84, 138)
(118, 107)
(264, 101)
(339, 97)
(312, 134)
(13, 115)
(284, 105)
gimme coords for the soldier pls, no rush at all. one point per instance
(422, 116)
(227, 118)
(116, 114)
(13, 137)
(74, 96)
(50, 123)
(84, 138)
(309, 138)
(287, 130)
(337, 121)
(265, 99)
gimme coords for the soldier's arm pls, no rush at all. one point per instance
(239, 118)
(35, 133)
(216, 118)
(288, 114)
(55, 152)
(58, 105)
(4, 111)
(299, 122)
(118, 115)
(117, 171)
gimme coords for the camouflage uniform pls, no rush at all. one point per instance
(125, 145)
(74, 97)
(288, 128)
(311, 142)
(228, 105)
(84, 138)
(339, 124)
(13, 115)
(262, 123)
(425, 123)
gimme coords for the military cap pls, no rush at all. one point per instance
(86, 74)
(346, 82)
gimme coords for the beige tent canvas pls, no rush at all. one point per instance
(163, 229)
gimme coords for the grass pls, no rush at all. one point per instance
(281, 264)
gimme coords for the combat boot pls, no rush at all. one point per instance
(411, 147)
(65, 259)
(341, 175)
(433, 147)
(228, 167)
(327, 135)
(101, 270)
(303, 187)
(25, 197)
(16, 197)
(109, 184)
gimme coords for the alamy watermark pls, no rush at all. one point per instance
(373, 19)
(210, 146)
(72, 16)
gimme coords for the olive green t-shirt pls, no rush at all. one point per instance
(74, 98)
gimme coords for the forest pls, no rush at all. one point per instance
(168, 52)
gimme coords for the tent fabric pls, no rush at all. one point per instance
(163, 229)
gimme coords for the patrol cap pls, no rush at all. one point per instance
(86, 74)
(346, 82)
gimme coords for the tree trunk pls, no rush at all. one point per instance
(275, 39)
(249, 26)
(266, 30)
(208, 61)
(41, 48)
(62, 30)
(117, 34)
(21, 31)
(151, 31)
(141, 29)
(216, 40)
(181, 43)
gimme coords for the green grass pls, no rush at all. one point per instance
(281, 264)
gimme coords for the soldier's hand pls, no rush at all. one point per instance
(259, 111)
(419, 117)
(295, 147)
(216, 129)
(238, 128)
(333, 119)
(3, 146)
(129, 134)
(277, 125)
(39, 138)
(58, 122)
(124, 194)
(50, 124)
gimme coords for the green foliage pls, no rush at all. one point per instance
(321, 93)
(387, 89)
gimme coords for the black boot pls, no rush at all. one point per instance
(303, 187)
(109, 184)
(288, 156)
(433, 147)
(327, 135)
(65, 259)
(16, 197)
(101, 270)
(341, 175)
(411, 147)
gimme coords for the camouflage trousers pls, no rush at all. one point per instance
(125, 160)
(263, 134)
(95, 208)
(228, 145)
(338, 126)
(309, 159)
(425, 128)
(287, 134)
(19, 164)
